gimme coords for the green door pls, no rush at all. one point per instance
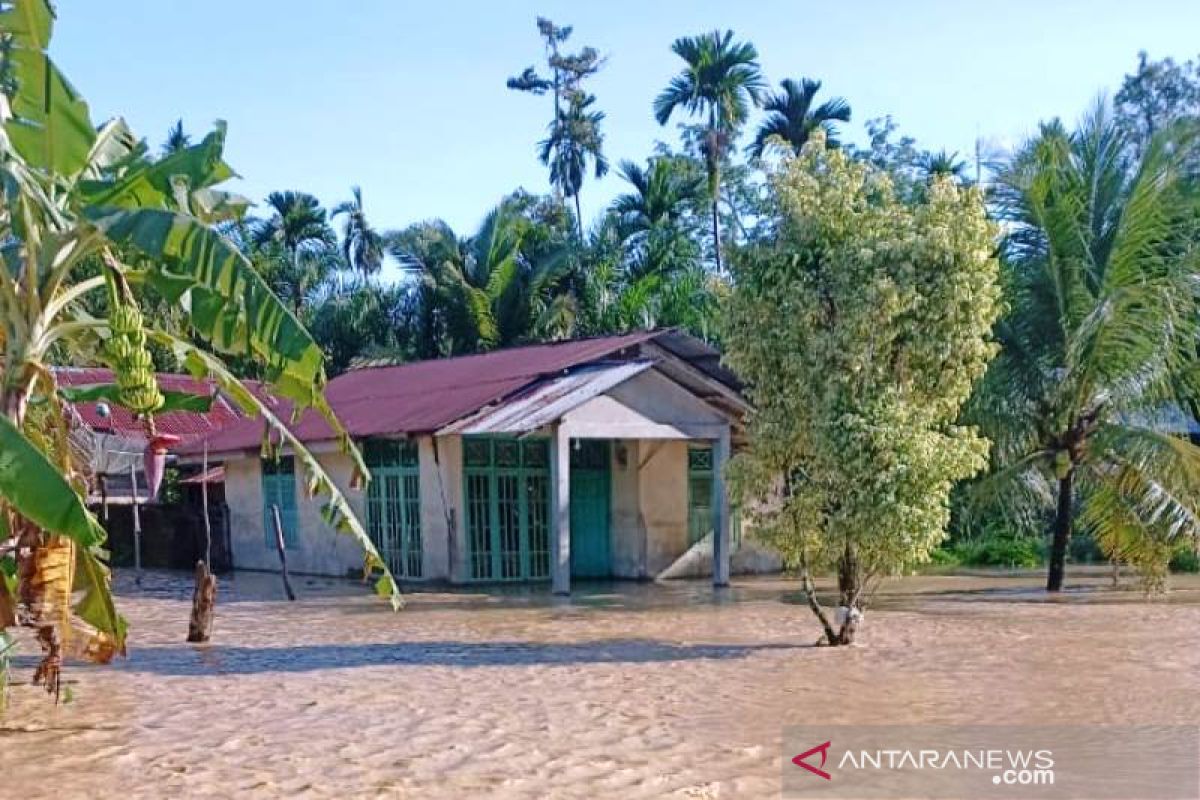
(591, 555)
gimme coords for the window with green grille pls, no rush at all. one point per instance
(507, 486)
(394, 504)
(700, 489)
(279, 490)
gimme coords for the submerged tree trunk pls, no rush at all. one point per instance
(204, 602)
(850, 589)
(1062, 533)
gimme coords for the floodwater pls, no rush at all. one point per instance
(627, 691)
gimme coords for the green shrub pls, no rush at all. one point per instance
(1185, 559)
(1000, 550)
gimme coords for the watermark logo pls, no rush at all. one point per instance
(1051, 762)
(823, 749)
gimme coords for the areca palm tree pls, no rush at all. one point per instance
(362, 245)
(791, 118)
(574, 139)
(294, 246)
(719, 83)
(1088, 400)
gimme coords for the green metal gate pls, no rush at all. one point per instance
(279, 489)
(507, 491)
(394, 504)
(591, 555)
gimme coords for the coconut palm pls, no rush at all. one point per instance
(1087, 402)
(719, 83)
(84, 215)
(574, 139)
(362, 245)
(791, 118)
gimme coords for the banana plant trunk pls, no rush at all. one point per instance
(44, 569)
(1062, 532)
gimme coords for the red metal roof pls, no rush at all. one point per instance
(184, 424)
(423, 396)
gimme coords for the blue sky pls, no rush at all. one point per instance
(407, 99)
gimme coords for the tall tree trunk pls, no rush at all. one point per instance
(579, 218)
(850, 588)
(1062, 533)
(716, 230)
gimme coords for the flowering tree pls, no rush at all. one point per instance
(860, 327)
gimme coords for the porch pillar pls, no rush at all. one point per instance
(720, 510)
(560, 488)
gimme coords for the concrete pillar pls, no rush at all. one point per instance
(720, 510)
(560, 489)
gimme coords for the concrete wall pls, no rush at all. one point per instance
(663, 501)
(441, 499)
(628, 532)
(319, 550)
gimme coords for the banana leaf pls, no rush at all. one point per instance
(172, 401)
(154, 185)
(336, 512)
(231, 306)
(35, 489)
(51, 127)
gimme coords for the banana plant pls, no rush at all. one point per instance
(74, 196)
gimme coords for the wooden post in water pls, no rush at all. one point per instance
(204, 602)
(204, 599)
(287, 584)
(137, 526)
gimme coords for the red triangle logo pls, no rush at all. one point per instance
(823, 749)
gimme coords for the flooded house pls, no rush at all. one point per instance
(592, 458)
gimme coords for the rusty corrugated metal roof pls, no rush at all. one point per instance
(184, 424)
(425, 396)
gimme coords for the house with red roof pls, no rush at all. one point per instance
(592, 458)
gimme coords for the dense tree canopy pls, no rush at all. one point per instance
(860, 327)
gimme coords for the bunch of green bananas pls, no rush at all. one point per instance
(131, 362)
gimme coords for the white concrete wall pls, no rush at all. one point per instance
(628, 533)
(319, 549)
(441, 501)
(662, 500)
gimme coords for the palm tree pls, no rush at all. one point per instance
(362, 245)
(719, 82)
(651, 217)
(1087, 400)
(943, 164)
(177, 139)
(574, 139)
(293, 248)
(485, 291)
(791, 118)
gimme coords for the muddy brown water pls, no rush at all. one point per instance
(626, 691)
